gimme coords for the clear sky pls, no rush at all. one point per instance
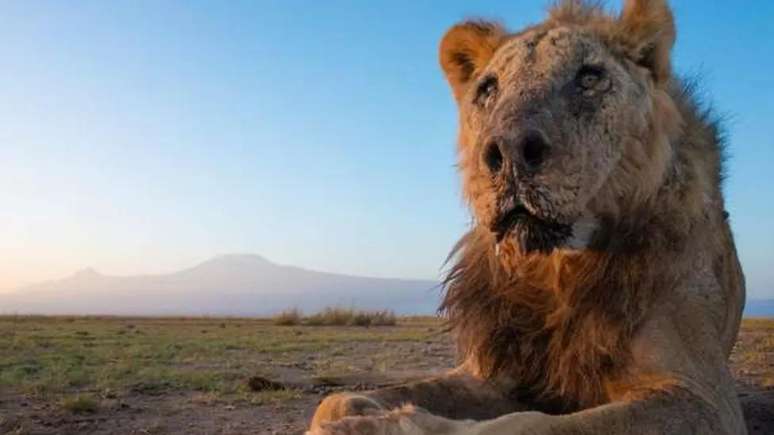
(145, 136)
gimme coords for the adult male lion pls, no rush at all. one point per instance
(599, 291)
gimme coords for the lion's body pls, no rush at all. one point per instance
(564, 326)
(612, 304)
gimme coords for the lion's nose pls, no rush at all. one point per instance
(528, 152)
(533, 150)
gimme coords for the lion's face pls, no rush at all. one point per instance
(551, 121)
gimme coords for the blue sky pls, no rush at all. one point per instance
(145, 136)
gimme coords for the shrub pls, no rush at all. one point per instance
(361, 319)
(337, 316)
(383, 318)
(290, 317)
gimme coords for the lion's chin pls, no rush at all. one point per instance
(535, 236)
(532, 235)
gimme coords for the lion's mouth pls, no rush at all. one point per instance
(531, 232)
(510, 215)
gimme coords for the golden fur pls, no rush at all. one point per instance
(624, 330)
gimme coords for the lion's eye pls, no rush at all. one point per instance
(592, 79)
(486, 90)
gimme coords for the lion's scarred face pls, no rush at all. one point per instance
(551, 121)
(546, 118)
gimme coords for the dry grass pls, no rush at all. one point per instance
(291, 317)
(337, 316)
(80, 404)
(379, 318)
(753, 356)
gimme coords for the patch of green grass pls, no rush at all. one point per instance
(58, 358)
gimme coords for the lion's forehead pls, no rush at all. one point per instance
(545, 54)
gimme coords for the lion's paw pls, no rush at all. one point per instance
(341, 405)
(407, 420)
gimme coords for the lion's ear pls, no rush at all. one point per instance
(465, 49)
(647, 29)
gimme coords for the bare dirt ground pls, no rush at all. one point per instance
(192, 376)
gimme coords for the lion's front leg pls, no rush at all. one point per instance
(454, 396)
(409, 420)
(406, 420)
(660, 414)
(663, 413)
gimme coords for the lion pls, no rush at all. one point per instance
(598, 290)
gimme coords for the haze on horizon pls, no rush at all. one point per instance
(145, 137)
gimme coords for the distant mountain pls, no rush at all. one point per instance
(237, 285)
(759, 308)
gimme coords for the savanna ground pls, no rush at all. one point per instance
(83, 375)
